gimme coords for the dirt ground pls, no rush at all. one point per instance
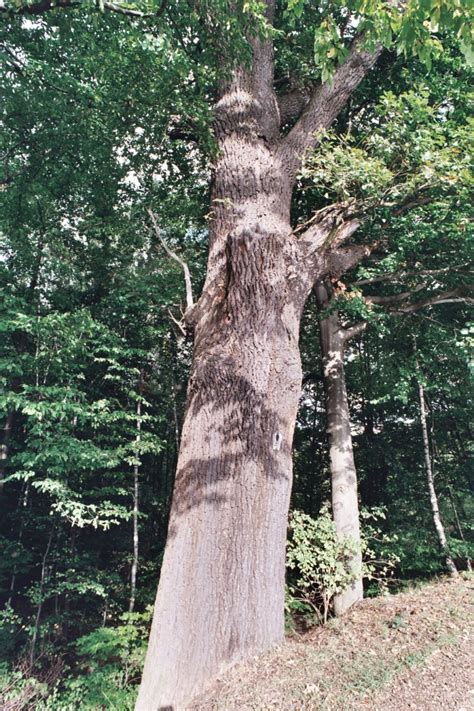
(412, 651)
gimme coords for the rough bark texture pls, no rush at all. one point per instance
(221, 591)
(345, 504)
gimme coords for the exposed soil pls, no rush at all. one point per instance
(411, 651)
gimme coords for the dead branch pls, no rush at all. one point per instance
(173, 255)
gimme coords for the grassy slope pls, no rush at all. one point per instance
(406, 651)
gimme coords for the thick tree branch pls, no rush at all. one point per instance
(329, 227)
(335, 224)
(326, 102)
(416, 201)
(344, 259)
(460, 294)
(398, 277)
(353, 331)
(453, 296)
(321, 242)
(394, 298)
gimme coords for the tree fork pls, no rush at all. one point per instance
(221, 592)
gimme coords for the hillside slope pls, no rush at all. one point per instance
(407, 651)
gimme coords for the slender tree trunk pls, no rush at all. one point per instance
(7, 428)
(22, 503)
(436, 456)
(438, 524)
(40, 601)
(136, 473)
(345, 504)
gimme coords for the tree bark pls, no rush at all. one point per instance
(221, 592)
(345, 503)
(438, 524)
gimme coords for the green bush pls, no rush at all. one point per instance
(106, 676)
(11, 631)
(19, 689)
(318, 558)
(318, 561)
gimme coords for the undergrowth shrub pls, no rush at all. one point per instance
(317, 558)
(317, 562)
(105, 674)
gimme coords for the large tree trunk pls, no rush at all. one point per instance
(221, 592)
(221, 588)
(345, 504)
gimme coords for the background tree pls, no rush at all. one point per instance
(414, 158)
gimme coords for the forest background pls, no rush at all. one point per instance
(107, 148)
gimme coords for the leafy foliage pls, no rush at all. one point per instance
(318, 560)
(414, 149)
(110, 659)
(105, 115)
(416, 30)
